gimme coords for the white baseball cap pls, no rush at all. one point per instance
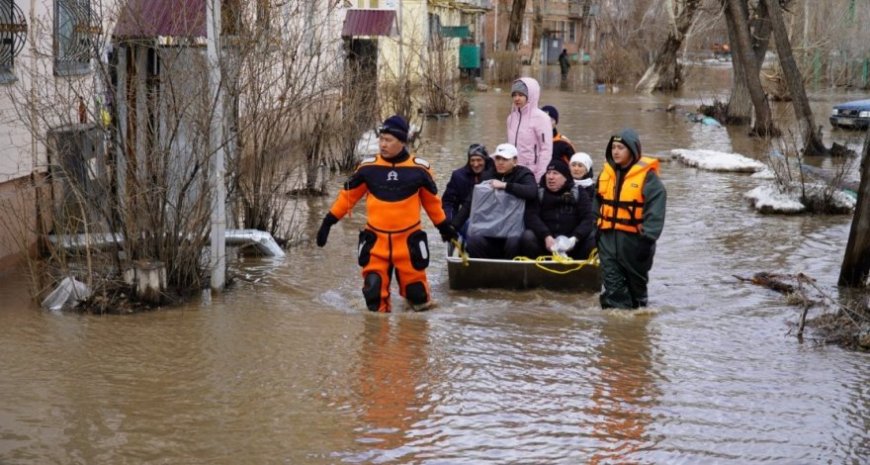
(507, 151)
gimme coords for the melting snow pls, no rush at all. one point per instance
(717, 161)
(769, 199)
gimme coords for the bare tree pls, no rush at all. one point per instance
(665, 73)
(856, 260)
(739, 108)
(812, 140)
(736, 11)
(515, 29)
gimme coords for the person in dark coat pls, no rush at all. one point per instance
(561, 209)
(564, 63)
(514, 179)
(563, 148)
(630, 202)
(463, 180)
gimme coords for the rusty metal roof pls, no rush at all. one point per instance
(362, 22)
(161, 18)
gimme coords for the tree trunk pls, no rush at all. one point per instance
(739, 109)
(515, 30)
(666, 74)
(812, 140)
(537, 32)
(742, 50)
(856, 262)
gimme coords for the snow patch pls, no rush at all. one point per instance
(712, 160)
(367, 146)
(770, 199)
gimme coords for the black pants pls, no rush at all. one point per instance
(492, 247)
(532, 247)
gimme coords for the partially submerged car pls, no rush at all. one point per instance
(853, 115)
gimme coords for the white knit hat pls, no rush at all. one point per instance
(582, 157)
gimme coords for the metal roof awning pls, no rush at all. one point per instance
(161, 18)
(458, 32)
(364, 22)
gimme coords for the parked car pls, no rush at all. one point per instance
(854, 114)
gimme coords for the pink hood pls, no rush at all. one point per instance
(529, 129)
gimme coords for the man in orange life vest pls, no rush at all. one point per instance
(630, 202)
(397, 184)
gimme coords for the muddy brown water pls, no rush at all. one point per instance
(289, 368)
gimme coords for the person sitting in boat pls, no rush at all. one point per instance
(560, 219)
(463, 180)
(496, 233)
(581, 171)
(563, 148)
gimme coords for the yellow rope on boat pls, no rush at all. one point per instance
(462, 253)
(555, 258)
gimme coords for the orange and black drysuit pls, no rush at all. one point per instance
(393, 239)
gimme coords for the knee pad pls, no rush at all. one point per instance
(372, 291)
(416, 293)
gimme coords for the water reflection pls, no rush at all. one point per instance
(624, 392)
(393, 357)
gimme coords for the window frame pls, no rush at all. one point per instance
(73, 65)
(7, 68)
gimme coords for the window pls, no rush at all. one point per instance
(572, 32)
(13, 32)
(74, 32)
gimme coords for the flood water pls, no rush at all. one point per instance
(288, 367)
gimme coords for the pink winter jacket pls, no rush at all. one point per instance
(529, 129)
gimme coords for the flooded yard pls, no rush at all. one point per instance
(288, 366)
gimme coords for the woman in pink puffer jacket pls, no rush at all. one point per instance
(528, 128)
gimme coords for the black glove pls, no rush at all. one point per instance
(645, 247)
(447, 231)
(323, 232)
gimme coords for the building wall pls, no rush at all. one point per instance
(558, 18)
(34, 85)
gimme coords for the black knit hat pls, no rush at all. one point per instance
(561, 167)
(396, 126)
(552, 111)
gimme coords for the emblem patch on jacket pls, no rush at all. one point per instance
(392, 176)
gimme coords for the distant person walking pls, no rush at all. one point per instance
(528, 128)
(630, 201)
(564, 63)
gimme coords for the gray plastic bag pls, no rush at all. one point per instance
(495, 213)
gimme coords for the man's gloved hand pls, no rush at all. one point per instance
(645, 248)
(323, 232)
(447, 231)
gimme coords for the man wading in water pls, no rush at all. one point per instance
(397, 184)
(630, 202)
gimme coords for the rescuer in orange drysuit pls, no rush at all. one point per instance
(397, 184)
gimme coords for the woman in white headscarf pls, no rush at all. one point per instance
(581, 171)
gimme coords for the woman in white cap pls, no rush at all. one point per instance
(581, 171)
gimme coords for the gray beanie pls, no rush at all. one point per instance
(520, 86)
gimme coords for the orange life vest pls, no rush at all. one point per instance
(623, 209)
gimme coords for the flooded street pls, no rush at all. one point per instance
(288, 367)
